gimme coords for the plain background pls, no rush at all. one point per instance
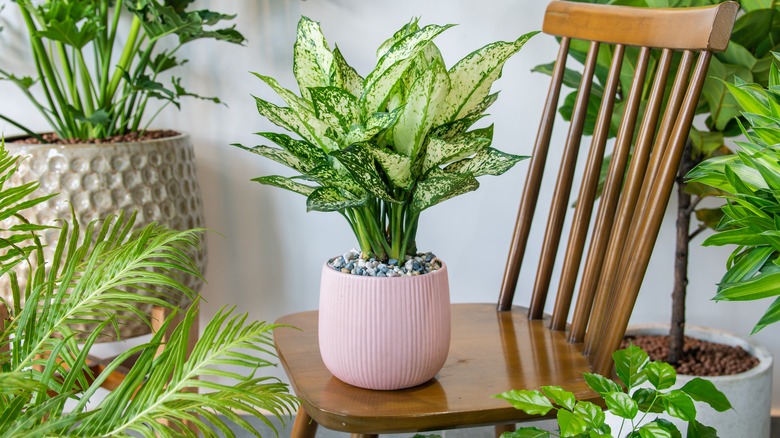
(266, 254)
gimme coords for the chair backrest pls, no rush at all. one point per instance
(633, 200)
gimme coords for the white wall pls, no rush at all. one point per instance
(267, 258)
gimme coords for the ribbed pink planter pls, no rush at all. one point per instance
(384, 333)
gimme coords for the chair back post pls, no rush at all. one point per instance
(633, 201)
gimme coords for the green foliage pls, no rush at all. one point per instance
(96, 274)
(755, 34)
(585, 419)
(90, 85)
(381, 149)
(750, 182)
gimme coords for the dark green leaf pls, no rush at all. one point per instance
(559, 396)
(661, 375)
(647, 400)
(591, 414)
(698, 430)
(570, 424)
(620, 404)
(703, 390)
(601, 384)
(679, 404)
(331, 199)
(530, 402)
(630, 364)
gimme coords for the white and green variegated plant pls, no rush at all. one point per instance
(47, 387)
(381, 149)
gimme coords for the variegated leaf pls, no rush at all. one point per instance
(292, 100)
(312, 59)
(309, 128)
(328, 176)
(375, 124)
(409, 28)
(452, 129)
(348, 78)
(486, 162)
(392, 66)
(336, 107)
(279, 155)
(440, 152)
(440, 186)
(422, 104)
(286, 183)
(309, 154)
(360, 163)
(331, 199)
(473, 75)
(397, 167)
(489, 100)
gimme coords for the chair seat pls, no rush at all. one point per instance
(491, 352)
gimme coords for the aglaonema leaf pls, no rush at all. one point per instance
(441, 152)
(285, 183)
(337, 107)
(472, 77)
(360, 162)
(439, 187)
(331, 199)
(392, 65)
(422, 105)
(349, 79)
(486, 162)
(312, 59)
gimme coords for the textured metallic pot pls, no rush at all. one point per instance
(156, 177)
(384, 332)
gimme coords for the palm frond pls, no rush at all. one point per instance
(97, 274)
(159, 383)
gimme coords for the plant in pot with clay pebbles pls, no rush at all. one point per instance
(380, 150)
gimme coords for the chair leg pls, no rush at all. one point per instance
(304, 426)
(501, 428)
(159, 314)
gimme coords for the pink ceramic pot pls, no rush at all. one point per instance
(381, 332)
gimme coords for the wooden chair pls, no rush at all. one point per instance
(495, 349)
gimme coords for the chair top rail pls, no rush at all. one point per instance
(698, 28)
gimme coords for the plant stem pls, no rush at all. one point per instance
(124, 61)
(677, 329)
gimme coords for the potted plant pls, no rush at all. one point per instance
(379, 151)
(46, 385)
(98, 84)
(650, 391)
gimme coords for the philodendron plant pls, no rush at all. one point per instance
(96, 72)
(750, 182)
(381, 149)
(647, 390)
